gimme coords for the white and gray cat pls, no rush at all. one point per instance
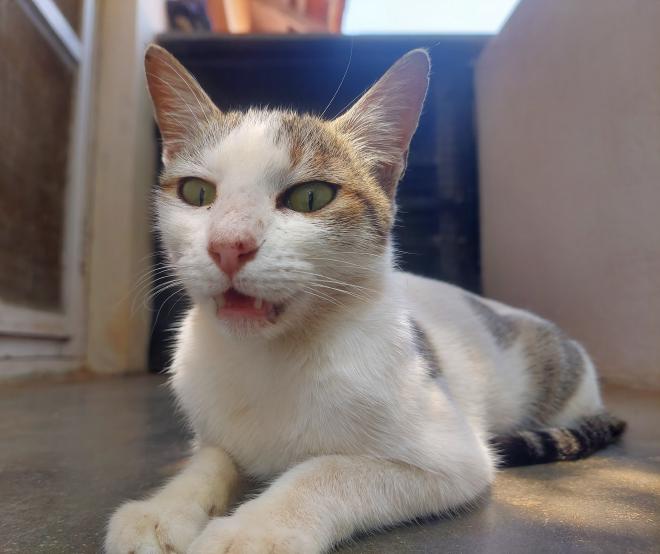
(364, 396)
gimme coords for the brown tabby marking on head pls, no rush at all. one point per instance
(292, 133)
(190, 150)
(318, 151)
(379, 217)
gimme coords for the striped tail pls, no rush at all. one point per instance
(583, 438)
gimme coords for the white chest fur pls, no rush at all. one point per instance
(270, 408)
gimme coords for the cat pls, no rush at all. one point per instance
(364, 396)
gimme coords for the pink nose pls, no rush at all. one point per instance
(230, 256)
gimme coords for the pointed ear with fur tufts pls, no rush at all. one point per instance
(382, 122)
(181, 107)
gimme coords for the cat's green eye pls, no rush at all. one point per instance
(196, 192)
(309, 197)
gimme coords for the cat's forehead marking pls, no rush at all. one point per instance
(290, 133)
(249, 152)
(314, 150)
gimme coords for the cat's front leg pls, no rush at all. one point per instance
(327, 499)
(170, 520)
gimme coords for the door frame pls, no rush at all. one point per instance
(38, 341)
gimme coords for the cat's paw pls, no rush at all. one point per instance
(152, 527)
(236, 535)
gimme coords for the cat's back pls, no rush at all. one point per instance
(504, 364)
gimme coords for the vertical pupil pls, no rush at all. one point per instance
(310, 200)
(202, 193)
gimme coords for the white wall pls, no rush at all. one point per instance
(124, 170)
(569, 139)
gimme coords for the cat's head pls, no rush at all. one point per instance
(273, 219)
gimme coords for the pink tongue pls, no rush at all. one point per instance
(236, 303)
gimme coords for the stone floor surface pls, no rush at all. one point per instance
(72, 451)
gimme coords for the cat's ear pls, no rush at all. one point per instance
(181, 107)
(382, 122)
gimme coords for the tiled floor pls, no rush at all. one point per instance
(72, 451)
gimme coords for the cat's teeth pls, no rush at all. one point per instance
(258, 303)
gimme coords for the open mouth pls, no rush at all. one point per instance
(236, 305)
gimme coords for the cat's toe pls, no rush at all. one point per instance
(232, 535)
(149, 527)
